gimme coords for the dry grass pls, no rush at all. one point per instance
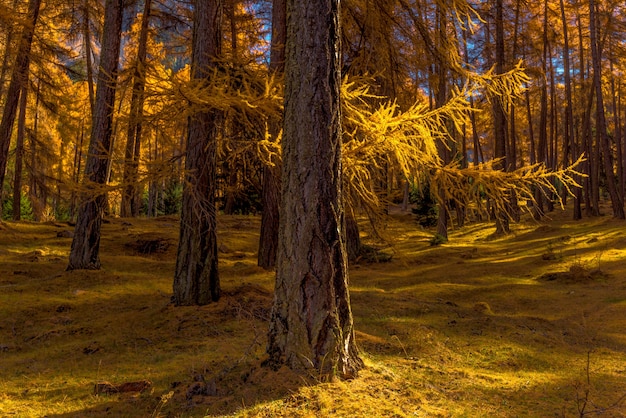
(476, 327)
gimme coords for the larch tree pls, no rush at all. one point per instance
(19, 78)
(131, 198)
(268, 241)
(196, 279)
(84, 253)
(311, 324)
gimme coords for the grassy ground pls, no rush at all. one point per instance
(532, 324)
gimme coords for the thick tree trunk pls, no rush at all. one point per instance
(196, 279)
(311, 323)
(18, 80)
(270, 197)
(84, 253)
(131, 197)
(88, 53)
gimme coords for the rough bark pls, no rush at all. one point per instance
(270, 197)
(84, 253)
(196, 279)
(311, 323)
(18, 80)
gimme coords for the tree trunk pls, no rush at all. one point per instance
(19, 155)
(499, 116)
(84, 253)
(568, 140)
(196, 280)
(18, 80)
(311, 323)
(131, 198)
(88, 53)
(270, 197)
(607, 156)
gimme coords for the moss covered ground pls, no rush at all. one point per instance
(532, 324)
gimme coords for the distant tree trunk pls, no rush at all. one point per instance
(353, 238)
(568, 140)
(84, 253)
(8, 52)
(88, 54)
(270, 197)
(131, 198)
(500, 123)
(19, 78)
(590, 182)
(311, 323)
(443, 215)
(196, 280)
(601, 132)
(19, 155)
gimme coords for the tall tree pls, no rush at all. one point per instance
(311, 323)
(196, 279)
(601, 130)
(268, 240)
(499, 115)
(131, 198)
(19, 78)
(84, 253)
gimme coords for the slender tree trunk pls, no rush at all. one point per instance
(602, 135)
(84, 253)
(131, 197)
(270, 198)
(569, 145)
(19, 155)
(19, 78)
(196, 279)
(500, 124)
(311, 323)
(88, 54)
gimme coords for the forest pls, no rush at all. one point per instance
(320, 208)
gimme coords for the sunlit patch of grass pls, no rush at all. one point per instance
(462, 329)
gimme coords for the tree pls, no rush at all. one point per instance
(130, 195)
(84, 253)
(268, 241)
(196, 279)
(601, 131)
(311, 323)
(19, 78)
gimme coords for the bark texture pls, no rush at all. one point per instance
(196, 279)
(311, 324)
(84, 253)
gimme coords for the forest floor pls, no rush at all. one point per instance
(532, 324)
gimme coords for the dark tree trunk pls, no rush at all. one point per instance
(131, 197)
(196, 280)
(568, 140)
(19, 155)
(18, 80)
(311, 323)
(607, 155)
(500, 124)
(84, 253)
(270, 197)
(88, 53)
